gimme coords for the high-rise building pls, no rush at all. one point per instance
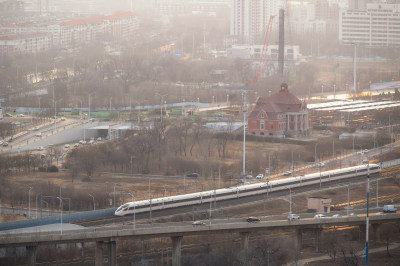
(377, 26)
(249, 18)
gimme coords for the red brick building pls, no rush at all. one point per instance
(281, 114)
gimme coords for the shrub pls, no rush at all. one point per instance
(52, 168)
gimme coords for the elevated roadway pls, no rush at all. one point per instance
(107, 237)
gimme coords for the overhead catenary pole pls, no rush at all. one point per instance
(29, 203)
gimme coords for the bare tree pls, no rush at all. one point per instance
(387, 232)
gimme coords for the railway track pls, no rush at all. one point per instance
(386, 173)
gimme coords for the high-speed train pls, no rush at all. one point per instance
(333, 176)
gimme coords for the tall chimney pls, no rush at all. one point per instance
(281, 54)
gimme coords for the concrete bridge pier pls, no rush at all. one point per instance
(98, 260)
(317, 233)
(245, 241)
(12, 256)
(376, 228)
(299, 239)
(176, 250)
(112, 252)
(83, 253)
(31, 254)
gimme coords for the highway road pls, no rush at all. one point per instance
(177, 229)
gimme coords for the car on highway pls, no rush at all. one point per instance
(320, 216)
(337, 216)
(353, 215)
(293, 217)
(320, 165)
(287, 173)
(260, 176)
(252, 219)
(196, 223)
(192, 175)
(63, 119)
(40, 148)
(92, 119)
(20, 115)
(249, 177)
(36, 128)
(5, 144)
(380, 213)
(76, 145)
(39, 134)
(99, 139)
(66, 146)
(91, 141)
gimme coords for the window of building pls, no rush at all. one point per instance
(262, 124)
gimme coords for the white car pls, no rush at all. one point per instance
(195, 223)
(63, 119)
(293, 217)
(76, 145)
(260, 176)
(66, 146)
(320, 216)
(40, 148)
(337, 216)
(320, 165)
(20, 115)
(39, 134)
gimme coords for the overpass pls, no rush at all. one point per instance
(106, 238)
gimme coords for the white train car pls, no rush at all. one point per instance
(247, 190)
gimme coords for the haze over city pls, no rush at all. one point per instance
(201, 132)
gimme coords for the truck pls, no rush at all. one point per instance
(389, 208)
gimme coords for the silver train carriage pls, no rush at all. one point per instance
(247, 190)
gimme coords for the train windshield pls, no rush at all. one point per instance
(122, 207)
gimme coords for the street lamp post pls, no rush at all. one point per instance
(61, 216)
(94, 203)
(367, 221)
(355, 73)
(315, 153)
(244, 133)
(29, 203)
(290, 204)
(55, 114)
(162, 100)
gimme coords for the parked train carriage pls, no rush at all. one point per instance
(247, 190)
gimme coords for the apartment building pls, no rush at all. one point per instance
(377, 26)
(249, 18)
(27, 43)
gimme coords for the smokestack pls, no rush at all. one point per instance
(281, 54)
